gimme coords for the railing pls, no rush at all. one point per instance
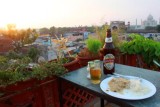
(136, 61)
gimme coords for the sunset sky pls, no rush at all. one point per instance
(69, 13)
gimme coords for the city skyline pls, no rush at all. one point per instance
(71, 13)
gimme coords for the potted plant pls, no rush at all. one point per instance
(14, 72)
(91, 52)
(15, 76)
(145, 50)
(69, 62)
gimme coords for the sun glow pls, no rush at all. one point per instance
(69, 13)
(31, 13)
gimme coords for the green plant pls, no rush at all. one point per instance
(17, 70)
(101, 35)
(93, 45)
(33, 53)
(48, 69)
(13, 71)
(140, 45)
(14, 55)
(6, 78)
(3, 59)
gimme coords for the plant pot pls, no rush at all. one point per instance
(84, 60)
(22, 93)
(21, 85)
(131, 60)
(141, 62)
(49, 92)
(73, 65)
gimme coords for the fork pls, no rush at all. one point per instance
(126, 77)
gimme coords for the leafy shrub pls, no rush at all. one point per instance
(14, 55)
(48, 69)
(33, 53)
(17, 70)
(93, 45)
(149, 49)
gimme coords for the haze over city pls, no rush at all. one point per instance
(71, 13)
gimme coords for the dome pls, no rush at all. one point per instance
(150, 17)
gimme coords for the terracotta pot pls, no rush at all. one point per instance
(131, 60)
(141, 62)
(21, 85)
(49, 92)
(84, 60)
(26, 98)
(73, 65)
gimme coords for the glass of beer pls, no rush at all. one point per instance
(95, 72)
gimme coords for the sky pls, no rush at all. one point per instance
(71, 13)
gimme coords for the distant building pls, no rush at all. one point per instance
(117, 25)
(149, 22)
(43, 40)
(73, 36)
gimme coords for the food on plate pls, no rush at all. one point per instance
(133, 85)
(118, 84)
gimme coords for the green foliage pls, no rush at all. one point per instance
(93, 45)
(17, 70)
(48, 69)
(101, 33)
(20, 37)
(90, 29)
(64, 60)
(52, 30)
(14, 55)
(158, 28)
(33, 53)
(148, 48)
(14, 70)
(3, 59)
(10, 77)
(150, 28)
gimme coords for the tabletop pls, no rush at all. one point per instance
(79, 79)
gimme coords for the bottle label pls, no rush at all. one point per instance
(108, 61)
(108, 40)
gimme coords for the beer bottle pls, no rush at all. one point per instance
(108, 54)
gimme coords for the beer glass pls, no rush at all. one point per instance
(95, 72)
(90, 65)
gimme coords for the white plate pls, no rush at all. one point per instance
(128, 94)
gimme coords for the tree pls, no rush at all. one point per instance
(91, 29)
(158, 28)
(44, 31)
(52, 30)
(150, 28)
(20, 37)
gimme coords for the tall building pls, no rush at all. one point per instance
(149, 22)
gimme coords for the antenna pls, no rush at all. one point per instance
(136, 23)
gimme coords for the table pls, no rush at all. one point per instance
(78, 78)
